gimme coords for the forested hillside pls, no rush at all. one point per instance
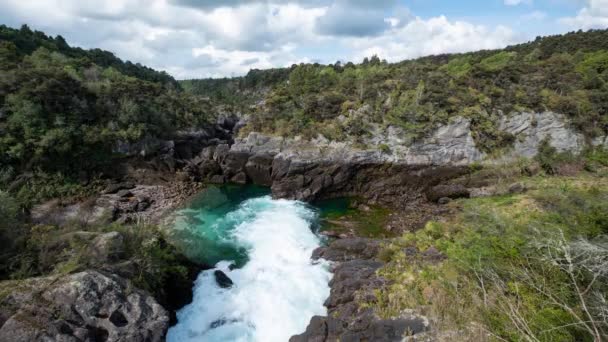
(567, 74)
(63, 110)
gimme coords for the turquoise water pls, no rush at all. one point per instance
(277, 287)
(203, 229)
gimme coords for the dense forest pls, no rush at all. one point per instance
(63, 110)
(567, 74)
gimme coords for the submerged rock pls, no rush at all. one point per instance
(222, 279)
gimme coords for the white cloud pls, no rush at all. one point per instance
(517, 2)
(535, 16)
(431, 37)
(224, 38)
(593, 15)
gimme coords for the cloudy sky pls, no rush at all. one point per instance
(214, 38)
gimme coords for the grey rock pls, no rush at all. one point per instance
(451, 144)
(444, 200)
(87, 306)
(348, 249)
(451, 191)
(217, 179)
(116, 187)
(532, 128)
(124, 193)
(222, 279)
(239, 178)
(355, 279)
(259, 169)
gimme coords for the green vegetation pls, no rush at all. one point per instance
(142, 256)
(64, 111)
(25, 41)
(343, 216)
(518, 267)
(566, 74)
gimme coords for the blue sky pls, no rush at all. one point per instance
(216, 38)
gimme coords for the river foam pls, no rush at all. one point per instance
(275, 293)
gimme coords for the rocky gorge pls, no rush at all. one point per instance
(158, 176)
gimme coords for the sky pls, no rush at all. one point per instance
(213, 38)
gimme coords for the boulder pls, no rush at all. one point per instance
(239, 178)
(234, 163)
(116, 187)
(86, 306)
(452, 191)
(124, 193)
(444, 200)
(222, 279)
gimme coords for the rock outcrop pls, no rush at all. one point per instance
(310, 170)
(530, 129)
(354, 282)
(86, 306)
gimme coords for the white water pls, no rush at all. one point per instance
(277, 291)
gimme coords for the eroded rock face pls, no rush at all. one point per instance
(354, 281)
(309, 170)
(451, 144)
(530, 129)
(87, 306)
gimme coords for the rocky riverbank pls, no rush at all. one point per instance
(355, 262)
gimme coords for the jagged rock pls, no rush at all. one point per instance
(355, 279)
(444, 200)
(116, 187)
(143, 204)
(86, 306)
(234, 163)
(222, 279)
(452, 191)
(348, 249)
(259, 169)
(532, 128)
(220, 153)
(451, 144)
(239, 178)
(124, 193)
(349, 277)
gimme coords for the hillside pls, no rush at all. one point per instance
(65, 112)
(566, 74)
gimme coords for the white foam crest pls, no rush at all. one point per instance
(277, 291)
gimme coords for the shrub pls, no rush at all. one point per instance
(498, 61)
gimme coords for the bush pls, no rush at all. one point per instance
(10, 230)
(554, 163)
